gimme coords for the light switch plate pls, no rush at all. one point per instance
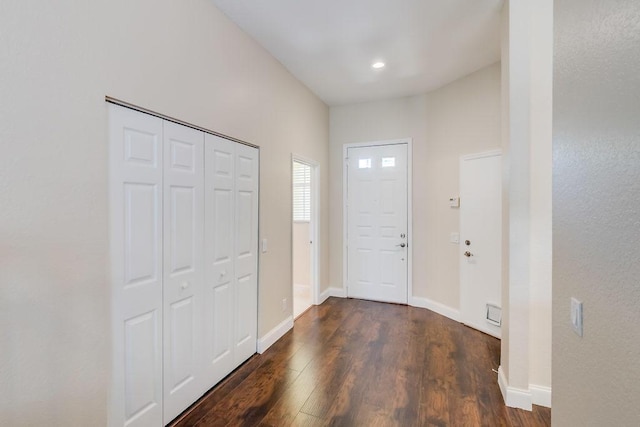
(454, 238)
(576, 316)
(264, 245)
(454, 202)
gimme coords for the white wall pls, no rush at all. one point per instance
(540, 253)
(596, 211)
(59, 60)
(505, 60)
(460, 118)
(527, 253)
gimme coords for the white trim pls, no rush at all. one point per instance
(324, 295)
(275, 334)
(436, 307)
(481, 328)
(514, 397)
(540, 395)
(331, 292)
(338, 292)
(409, 219)
(345, 147)
(482, 155)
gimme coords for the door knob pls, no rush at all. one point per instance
(468, 254)
(402, 245)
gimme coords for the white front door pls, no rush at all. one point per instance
(183, 266)
(377, 222)
(481, 240)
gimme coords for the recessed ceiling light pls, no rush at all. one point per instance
(378, 64)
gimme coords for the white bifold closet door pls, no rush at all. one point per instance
(183, 286)
(136, 172)
(184, 239)
(231, 233)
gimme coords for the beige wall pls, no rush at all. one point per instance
(596, 212)
(460, 118)
(59, 60)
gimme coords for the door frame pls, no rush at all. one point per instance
(315, 216)
(345, 151)
(490, 153)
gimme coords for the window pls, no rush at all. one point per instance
(364, 163)
(301, 192)
(388, 162)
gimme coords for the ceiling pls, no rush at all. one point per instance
(330, 45)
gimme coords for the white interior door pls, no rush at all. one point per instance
(246, 252)
(183, 267)
(219, 257)
(136, 165)
(377, 222)
(481, 240)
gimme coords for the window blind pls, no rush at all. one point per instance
(301, 192)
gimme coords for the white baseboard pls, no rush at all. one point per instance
(540, 395)
(324, 295)
(338, 292)
(332, 292)
(514, 397)
(436, 307)
(275, 334)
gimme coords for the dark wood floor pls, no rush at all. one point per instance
(361, 363)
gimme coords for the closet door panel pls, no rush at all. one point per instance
(183, 249)
(219, 249)
(246, 251)
(135, 172)
(183, 267)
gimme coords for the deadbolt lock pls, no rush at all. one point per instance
(467, 242)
